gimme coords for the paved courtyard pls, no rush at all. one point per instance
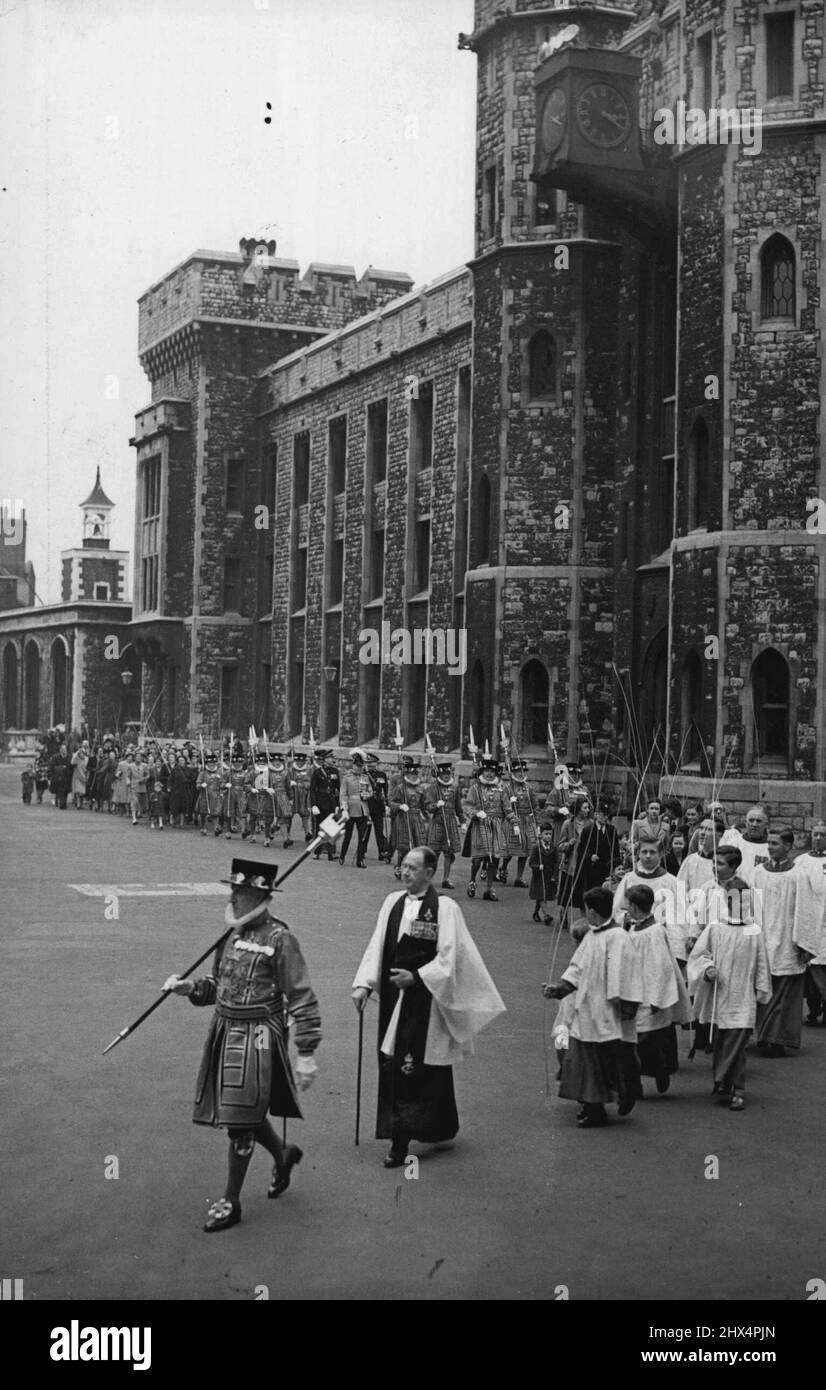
(522, 1205)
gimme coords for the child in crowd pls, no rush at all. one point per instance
(158, 806)
(27, 778)
(543, 863)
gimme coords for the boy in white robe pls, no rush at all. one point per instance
(810, 919)
(698, 868)
(600, 1063)
(729, 972)
(669, 895)
(780, 1022)
(659, 985)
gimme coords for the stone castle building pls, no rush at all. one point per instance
(597, 448)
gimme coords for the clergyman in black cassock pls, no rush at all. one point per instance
(434, 996)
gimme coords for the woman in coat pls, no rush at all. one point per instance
(120, 799)
(571, 880)
(80, 762)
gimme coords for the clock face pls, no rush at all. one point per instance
(603, 115)
(554, 118)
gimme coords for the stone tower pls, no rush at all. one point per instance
(549, 326)
(203, 570)
(94, 572)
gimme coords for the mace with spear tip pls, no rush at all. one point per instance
(399, 742)
(330, 829)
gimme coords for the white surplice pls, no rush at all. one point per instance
(465, 999)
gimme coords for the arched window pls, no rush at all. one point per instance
(60, 683)
(777, 279)
(698, 474)
(10, 678)
(692, 710)
(653, 693)
(535, 690)
(480, 522)
(31, 674)
(770, 701)
(541, 366)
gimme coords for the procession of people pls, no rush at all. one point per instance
(693, 922)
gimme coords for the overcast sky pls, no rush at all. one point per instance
(133, 133)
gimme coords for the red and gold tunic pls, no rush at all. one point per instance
(259, 979)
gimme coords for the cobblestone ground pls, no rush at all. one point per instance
(522, 1204)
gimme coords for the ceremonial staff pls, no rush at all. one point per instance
(431, 753)
(398, 740)
(504, 739)
(330, 829)
(269, 788)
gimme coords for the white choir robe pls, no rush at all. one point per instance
(669, 905)
(738, 953)
(775, 895)
(603, 968)
(658, 982)
(753, 852)
(810, 906)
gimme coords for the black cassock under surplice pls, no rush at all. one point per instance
(415, 1100)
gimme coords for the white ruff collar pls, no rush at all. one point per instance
(238, 923)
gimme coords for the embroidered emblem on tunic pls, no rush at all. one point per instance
(407, 1066)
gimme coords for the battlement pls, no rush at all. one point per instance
(257, 287)
(443, 306)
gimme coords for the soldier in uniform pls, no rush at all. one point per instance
(443, 803)
(324, 788)
(377, 803)
(407, 811)
(210, 791)
(354, 795)
(521, 843)
(260, 805)
(489, 808)
(283, 792)
(259, 977)
(233, 805)
(299, 785)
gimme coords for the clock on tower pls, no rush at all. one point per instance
(587, 103)
(588, 138)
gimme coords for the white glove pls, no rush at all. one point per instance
(440, 803)
(315, 810)
(481, 815)
(513, 801)
(305, 1071)
(404, 806)
(175, 986)
(561, 1037)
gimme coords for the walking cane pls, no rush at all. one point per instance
(358, 1073)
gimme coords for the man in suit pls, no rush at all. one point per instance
(599, 850)
(324, 788)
